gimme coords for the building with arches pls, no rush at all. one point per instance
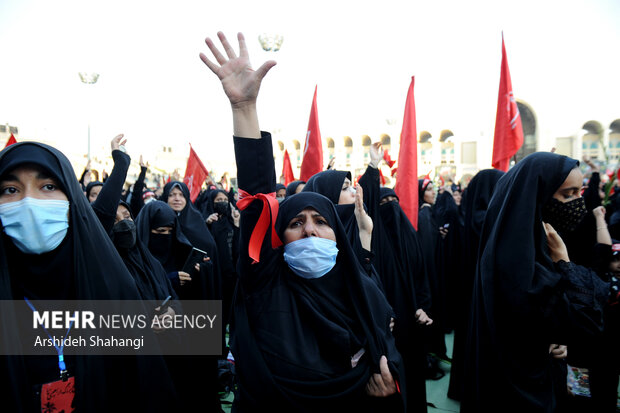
(456, 152)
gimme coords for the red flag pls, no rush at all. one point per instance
(407, 179)
(388, 159)
(11, 141)
(312, 161)
(508, 129)
(287, 169)
(195, 174)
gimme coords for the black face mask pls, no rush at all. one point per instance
(221, 207)
(160, 245)
(124, 234)
(564, 216)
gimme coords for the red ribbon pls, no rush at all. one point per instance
(267, 215)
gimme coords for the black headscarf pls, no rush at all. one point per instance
(170, 250)
(91, 185)
(334, 315)
(292, 187)
(86, 266)
(422, 185)
(329, 184)
(521, 302)
(192, 222)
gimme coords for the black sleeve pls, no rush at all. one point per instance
(371, 184)
(255, 174)
(575, 310)
(590, 195)
(106, 204)
(136, 202)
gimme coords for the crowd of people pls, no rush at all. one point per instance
(333, 301)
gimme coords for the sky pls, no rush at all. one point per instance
(563, 58)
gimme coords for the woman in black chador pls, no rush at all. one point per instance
(193, 226)
(310, 330)
(223, 222)
(430, 238)
(475, 203)
(407, 290)
(54, 248)
(528, 297)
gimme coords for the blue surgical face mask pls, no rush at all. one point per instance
(311, 257)
(35, 225)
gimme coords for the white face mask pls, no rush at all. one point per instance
(311, 257)
(35, 225)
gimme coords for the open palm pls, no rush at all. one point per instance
(241, 83)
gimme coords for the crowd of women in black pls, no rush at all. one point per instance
(332, 299)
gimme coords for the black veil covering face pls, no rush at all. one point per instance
(407, 290)
(475, 203)
(85, 266)
(522, 302)
(171, 250)
(293, 338)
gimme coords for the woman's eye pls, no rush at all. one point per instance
(8, 190)
(49, 187)
(295, 224)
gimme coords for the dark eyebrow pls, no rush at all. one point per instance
(8, 177)
(572, 188)
(43, 175)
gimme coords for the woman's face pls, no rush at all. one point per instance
(347, 194)
(162, 230)
(299, 188)
(387, 199)
(308, 223)
(429, 194)
(571, 188)
(176, 200)
(220, 197)
(94, 193)
(29, 181)
(122, 213)
(457, 197)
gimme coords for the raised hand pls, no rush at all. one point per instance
(118, 141)
(557, 248)
(376, 155)
(240, 82)
(364, 222)
(142, 164)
